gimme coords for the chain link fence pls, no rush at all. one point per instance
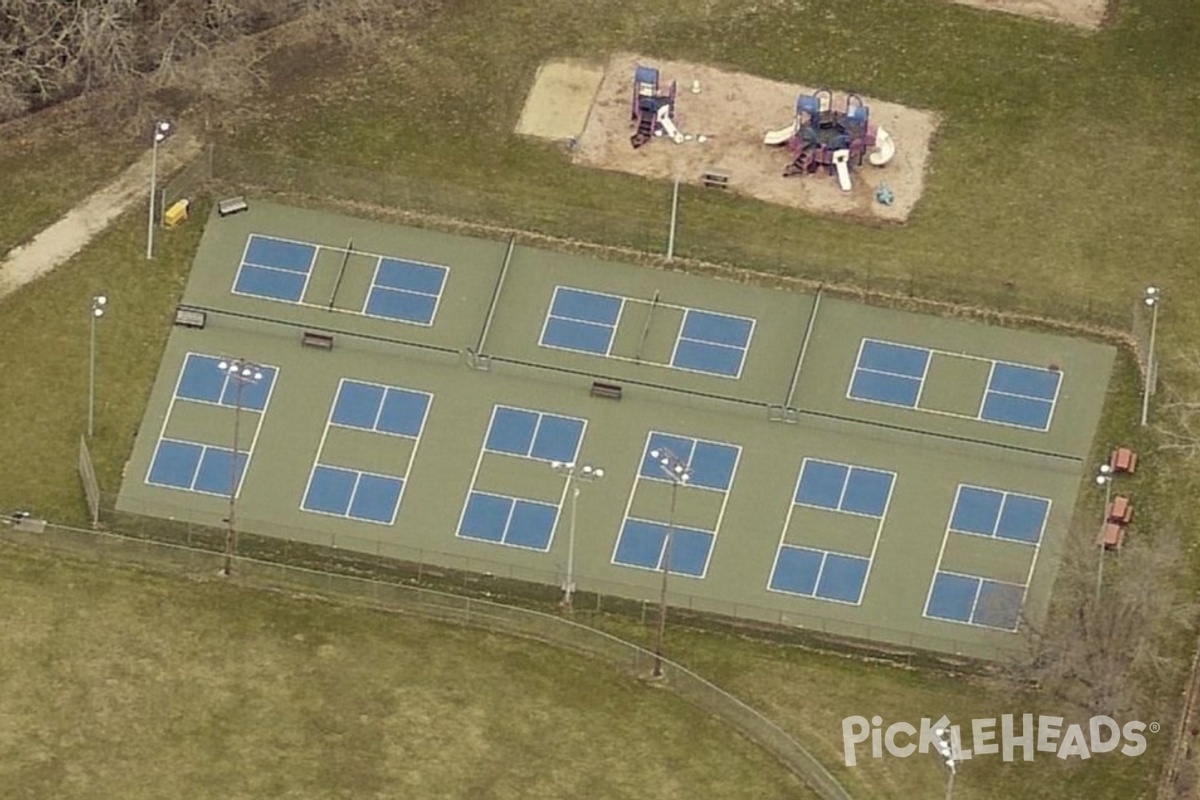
(712, 231)
(453, 608)
(470, 575)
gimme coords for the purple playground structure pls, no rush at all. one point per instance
(652, 110)
(822, 138)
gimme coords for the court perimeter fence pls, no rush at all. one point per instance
(711, 230)
(525, 585)
(451, 608)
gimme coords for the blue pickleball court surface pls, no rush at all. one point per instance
(712, 343)
(512, 521)
(534, 434)
(195, 467)
(822, 574)
(827, 574)
(1000, 514)
(582, 321)
(1021, 395)
(889, 373)
(203, 381)
(528, 435)
(275, 269)
(353, 494)
(844, 487)
(973, 600)
(406, 291)
(380, 409)
(642, 543)
(344, 491)
(712, 464)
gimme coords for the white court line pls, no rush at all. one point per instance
(474, 476)
(716, 532)
(374, 282)
(613, 330)
(637, 476)
(154, 457)
(746, 347)
(262, 415)
(237, 276)
(549, 315)
(887, 505)
(787, 522)
(937, 566)
(995, 535)
(921, 385)
(679, 336)
(412, 454)
(401, 320)
(321, 446)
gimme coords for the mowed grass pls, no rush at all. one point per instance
(50, 167)
(45, 327)
(1061, 182)
(1058, 179)
(125, 684)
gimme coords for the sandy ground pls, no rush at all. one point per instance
(73, 231)
(559, 108)
(733, 111)
(1087, 14)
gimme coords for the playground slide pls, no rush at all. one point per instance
(841, 162)
(668, 125)
(781, 136)
(885, 148)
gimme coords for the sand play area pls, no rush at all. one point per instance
(1086, 14)
(588, 106)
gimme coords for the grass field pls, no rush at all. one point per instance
(122, 684)
(1050, 174)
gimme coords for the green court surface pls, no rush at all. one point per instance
(864, 472)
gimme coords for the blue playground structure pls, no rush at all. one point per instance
(823, 138)
(652, 109)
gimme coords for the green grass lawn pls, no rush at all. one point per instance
(1063, 179)
(48, 168)
(122, 684)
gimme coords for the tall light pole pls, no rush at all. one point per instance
(679, 473)
(1104, 477)
(945, 748)
(161, 131)
(573, 473)
(241, 373)
(98, 304)
(1152, 297)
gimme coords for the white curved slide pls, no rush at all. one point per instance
(885, 148)
(668, 125)
(841, 162)
(781, 136)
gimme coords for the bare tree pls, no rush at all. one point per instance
(54, 49)
(1178, 414)
(1108, 654)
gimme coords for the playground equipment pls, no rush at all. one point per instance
(652, 109)
(823, 138)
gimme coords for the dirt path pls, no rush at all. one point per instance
(62, 240)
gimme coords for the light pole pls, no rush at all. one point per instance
(1152, 297)
(945, 747)
(679, 473)
(573, 473)
(241, 373)
(98, 304)
(1104, 477)
(161, 131)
